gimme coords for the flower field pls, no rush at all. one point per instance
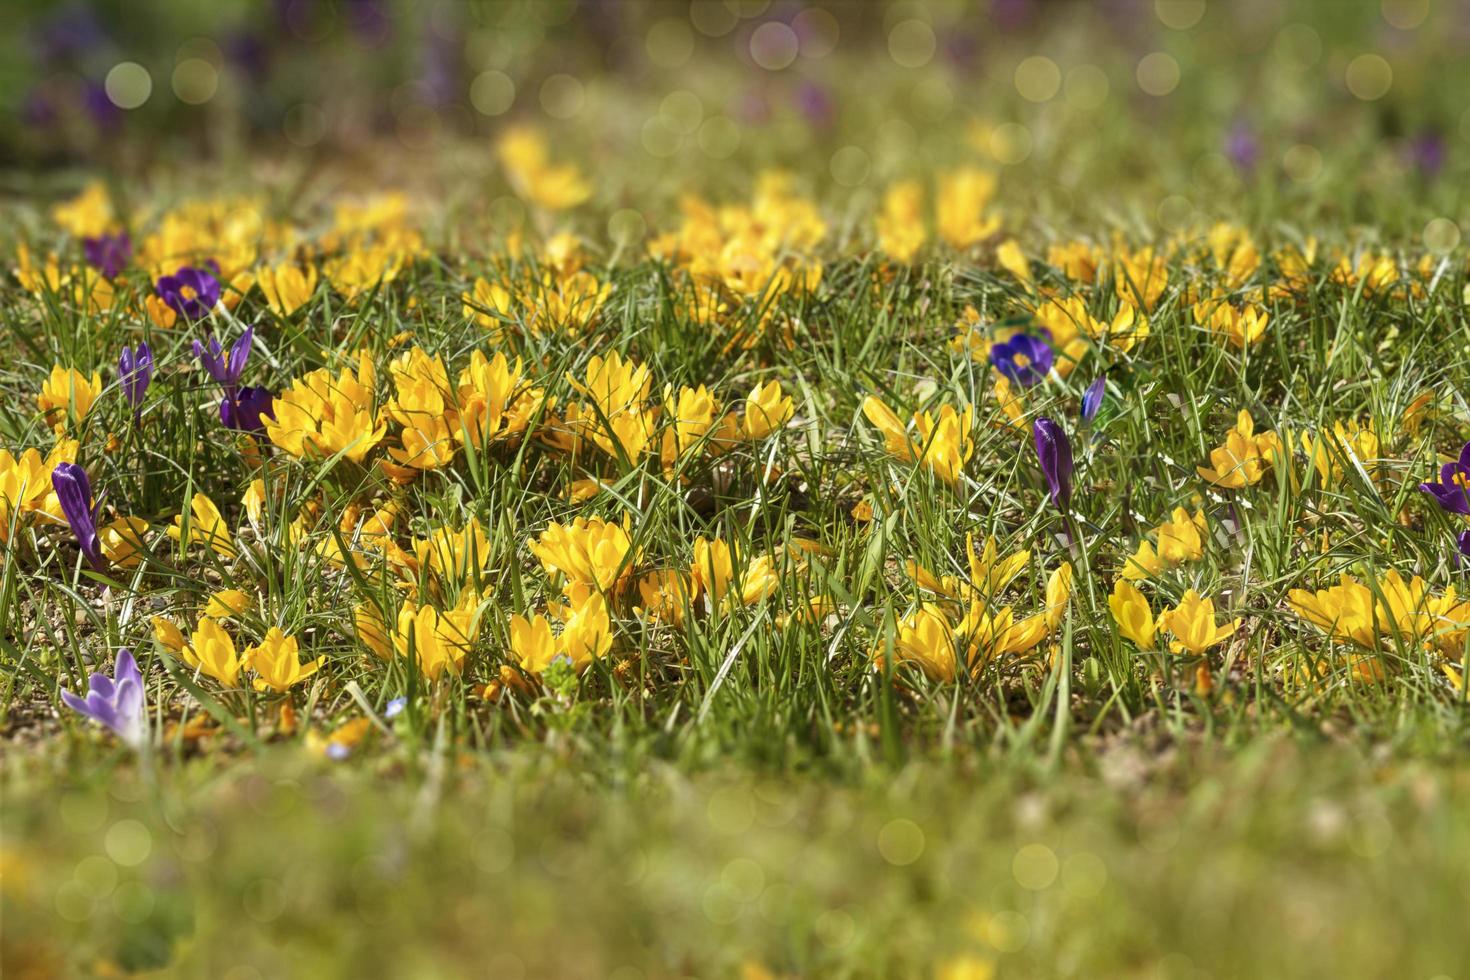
(637, 535)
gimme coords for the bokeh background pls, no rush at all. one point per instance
(1335, 108)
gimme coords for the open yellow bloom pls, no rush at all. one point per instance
(1008, 253)
(494, 401)
(67, 392)
(690, 416)
(1242, 327)
(1139, 278)
(87, 215)
(488, 304)
(212, 652)
(900, 224)
(766, 410)
(1330, 451)
(321, 415)
(591, 552)
(665, 593)
(556, 187)
(227, 603)
(205, 526)
(926, 640)
(287, 287)
(434, 640)
(617, 420)
(1193, 624)
(122, 540)
(1245, 456)
(455, 556)
(586, 635)
(964, 196)
(991, 635)
(942, 443)
(990, 573)
(1132, 614)
(717, 572)
(277, 664)
(1180, 539)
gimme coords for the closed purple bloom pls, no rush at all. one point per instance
(1462, 543)
(1055, 452)
(109, 254)
(74, 491)
(135, 370)
(1427, 151)
(1024, 359)
(226, 368)
(1454, 479)
(248, 409)
(190, 292)
(117, 701)
(1092, 398)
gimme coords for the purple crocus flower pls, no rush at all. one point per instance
(117, 701)
(109, 254)
(248, 409)
(1092, 398)
(135, 370)
(1055, 452)
(74, 491)
(1462, 548)
(1427, 151)
(1024, 359)
(226, 368)
(191, 292)
(1453, 489)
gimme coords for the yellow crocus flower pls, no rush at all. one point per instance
(277, 663)
(1192, 622)
(1132, 614)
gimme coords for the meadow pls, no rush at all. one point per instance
(1034, 552)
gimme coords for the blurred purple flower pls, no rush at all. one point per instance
(100, 107)
(135, 371)
(1462, 544)
(109, 254)
(1427, 153)
(191, 292)
(1092, 398)
(1454, 479)
(1054, 450)
(1025, 359)
(248, 409)
(1242, 146)
(816, 104)
(226, 369)
(117, 702)
(70, 30)
(74, 492)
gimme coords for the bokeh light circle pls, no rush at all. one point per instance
(195, 81)
(1010, 143)
(563, 96)
(683, 109)
(850, 166)
(911, 43)
(1035, 867)
(492, 92)
(1038, 78)
(1405, 14)
(1441, 235)
(627, 227)
(659, 137)
(1180, 15)
(712, 18)
(670, 43)
(1086, 87)
(1297, 47)
(1369, 77)
(1302, 162)
(817, 32)
(1158, 73)
(128, 85)
(774, 45)
(719, 137)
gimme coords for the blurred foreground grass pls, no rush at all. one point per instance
(1272, 860)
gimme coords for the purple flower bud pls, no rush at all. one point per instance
(118, 702)
(190, 292)
(74, 491)
(1462, 543)
(1055, 452)
(1092, 398)
(248, 409)
(226, 369)
(109, 254)
(1024, 359)
(1453, 489)
(1242, 147)
(135, 370)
